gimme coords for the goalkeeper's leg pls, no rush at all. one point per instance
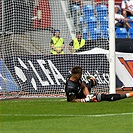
(113, 97)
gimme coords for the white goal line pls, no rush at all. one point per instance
(67, 115)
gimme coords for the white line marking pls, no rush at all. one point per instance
(30, 101)
(67, 115)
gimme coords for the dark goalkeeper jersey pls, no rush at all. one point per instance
(72, 88)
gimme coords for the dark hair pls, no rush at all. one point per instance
(77, 33)
(76, 70)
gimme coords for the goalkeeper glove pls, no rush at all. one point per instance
(90, 76)
(91, 98)
(85, 100)
(92, 79)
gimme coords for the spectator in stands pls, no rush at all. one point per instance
(57, 43)
(127, 7)
(77, 43)
(73, 3)
(120, 20)
(75, 6)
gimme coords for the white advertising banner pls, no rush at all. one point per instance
(124, 65)
(124, 68)
(35, 73)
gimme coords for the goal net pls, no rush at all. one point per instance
(27, 66)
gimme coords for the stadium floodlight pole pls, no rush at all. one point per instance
(112, 72)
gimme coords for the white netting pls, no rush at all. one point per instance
(27, 26)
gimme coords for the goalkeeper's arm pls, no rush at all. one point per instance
(86, 93)
(85, 98)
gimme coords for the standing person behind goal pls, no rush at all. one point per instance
(77, 43)
(79, 91)
(57, 44)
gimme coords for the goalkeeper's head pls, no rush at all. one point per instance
(76, 72)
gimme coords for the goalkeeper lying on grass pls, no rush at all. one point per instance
(79, 91)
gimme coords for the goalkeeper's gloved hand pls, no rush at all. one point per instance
(89, 76)
(92, 79)
(93, 98)
(89, 97)
(85, 100)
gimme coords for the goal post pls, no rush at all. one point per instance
(27, 66)
(112, 57)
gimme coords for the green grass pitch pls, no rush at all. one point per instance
(55, 115)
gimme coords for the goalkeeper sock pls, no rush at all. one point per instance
(112, 97)
(130, 94)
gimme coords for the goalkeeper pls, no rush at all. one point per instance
(79, 91)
